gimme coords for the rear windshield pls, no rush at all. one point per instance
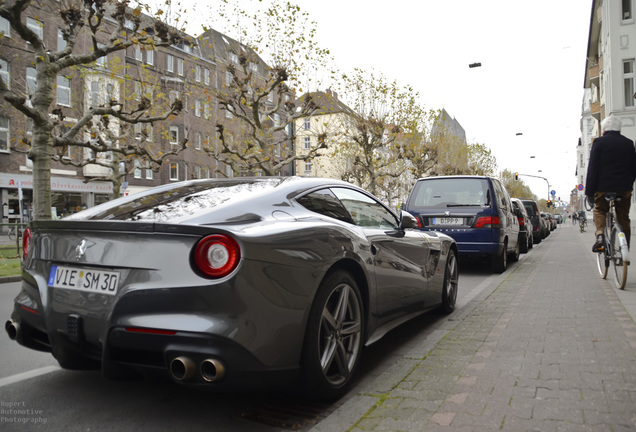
(450, 192)
(163, 204)
(530, 208)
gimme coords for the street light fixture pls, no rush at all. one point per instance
(474, 65)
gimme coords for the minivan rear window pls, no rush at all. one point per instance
(450, 192)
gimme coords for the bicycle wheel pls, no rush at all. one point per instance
(11, 234)
(620, 268)
(602, 263)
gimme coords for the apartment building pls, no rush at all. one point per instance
(192, 70)
(329, 124)
(610, 78)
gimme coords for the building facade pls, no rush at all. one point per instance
(610, 79)
(193, 70)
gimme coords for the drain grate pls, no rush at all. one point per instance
(287, 414)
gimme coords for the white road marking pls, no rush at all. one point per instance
(28, 375)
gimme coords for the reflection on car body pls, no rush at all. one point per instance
(228, 283)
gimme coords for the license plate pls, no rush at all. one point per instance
(448, 221)
(96, 281)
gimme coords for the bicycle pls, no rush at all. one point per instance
(615, 249)
(583, 225)
(12, 233)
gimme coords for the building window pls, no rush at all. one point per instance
(197, 141)
(206, 110)
(63, 91)
(197, 107)
(307, 168)
(170, 63)
(228, 78)
(137, 91)
(626, 10)
(174, 135)
(150, 56)
(4, 134)
(174, 96)
(180, 67)
(137, 171)
(138, 55)
(628, 82)
(148, 173)
(206, 76)
(94, 95)
(174, 171)
(197, 172)
(5, 73)
(307, 143)
(61, 43)
(31, 80)
(129, 24)
(5, 27)
(234, 58)
(35, 26)
(197, 73)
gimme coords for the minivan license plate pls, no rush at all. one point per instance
(448, 221)
(89, 280)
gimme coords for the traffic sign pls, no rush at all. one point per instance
(581, 187)
(553, 192)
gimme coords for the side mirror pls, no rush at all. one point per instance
(407, 220)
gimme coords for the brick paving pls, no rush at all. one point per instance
(552, 348)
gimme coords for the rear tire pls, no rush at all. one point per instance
(451, 280)
(524, 245)
(334, 337)
(620, 268)
(500, 262)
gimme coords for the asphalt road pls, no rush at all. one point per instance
(36, 395)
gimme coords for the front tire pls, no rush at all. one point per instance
(451, 280)
(334, 337)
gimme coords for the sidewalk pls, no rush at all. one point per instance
(552, 348)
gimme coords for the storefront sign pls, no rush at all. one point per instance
(11, 181)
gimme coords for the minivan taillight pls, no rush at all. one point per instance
(487, 222)
(521, 222)
(217, 255)
(26, 242)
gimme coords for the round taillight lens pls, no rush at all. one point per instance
(26, 242)
(217, 255)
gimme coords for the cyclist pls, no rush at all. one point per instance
(612, 168)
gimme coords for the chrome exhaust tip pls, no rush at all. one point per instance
(212, 370)
(12, 329)
(182, 368)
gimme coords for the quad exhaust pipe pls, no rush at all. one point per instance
(12, 328)
(212, 370)
(183, 368)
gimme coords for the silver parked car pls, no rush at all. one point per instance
(230, 282)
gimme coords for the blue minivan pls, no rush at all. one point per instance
(475, 210)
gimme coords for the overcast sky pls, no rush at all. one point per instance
(530, 82)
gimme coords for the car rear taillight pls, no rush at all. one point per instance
(26, 242)
(521, 222)
(487, 222)
(217, 255)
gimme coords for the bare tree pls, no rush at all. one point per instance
(109, 26)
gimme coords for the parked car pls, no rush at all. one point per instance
(525, 225)
(475, 210)
(539, 226)
(551, 222)
(230, 282)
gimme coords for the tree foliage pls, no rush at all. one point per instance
(101, 128)
(481, 161)
(386, 121)
(515, 188)
(265, 105)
